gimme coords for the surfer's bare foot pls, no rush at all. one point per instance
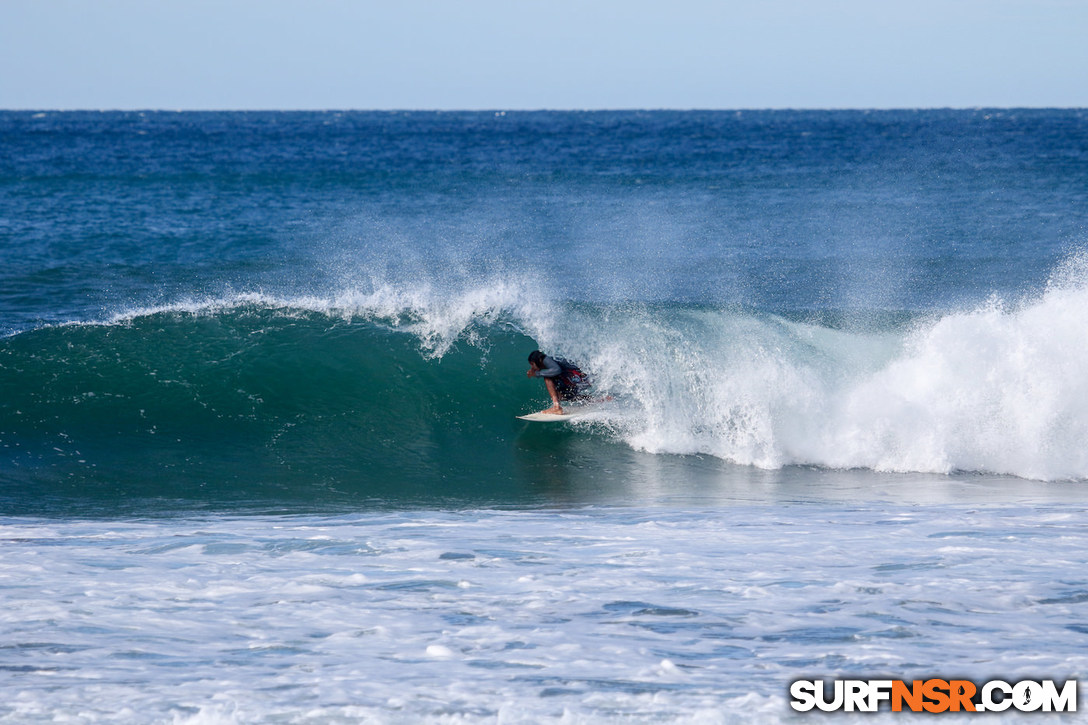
(555, 409)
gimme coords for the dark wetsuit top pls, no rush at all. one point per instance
(568, 381)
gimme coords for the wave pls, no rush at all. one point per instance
(997, 389)
(395, 388)
(247, 398)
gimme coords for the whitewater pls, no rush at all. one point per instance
(616, 616)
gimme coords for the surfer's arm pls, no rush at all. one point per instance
(556, 407)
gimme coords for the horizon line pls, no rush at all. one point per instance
(501, 110)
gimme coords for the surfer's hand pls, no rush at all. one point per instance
(529, 374)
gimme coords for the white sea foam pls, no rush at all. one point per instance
(613, 615)
(999, 389)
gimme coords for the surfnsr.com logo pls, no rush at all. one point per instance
(934, 695)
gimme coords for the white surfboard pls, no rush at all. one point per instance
(551, 417)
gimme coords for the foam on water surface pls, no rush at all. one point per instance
(612, 615)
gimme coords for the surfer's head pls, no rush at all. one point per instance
(536, 357)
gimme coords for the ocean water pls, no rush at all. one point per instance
(259, 375)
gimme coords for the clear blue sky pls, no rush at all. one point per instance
(515, 54)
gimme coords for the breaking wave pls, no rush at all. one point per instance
(400, 387)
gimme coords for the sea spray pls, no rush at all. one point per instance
(998, 389)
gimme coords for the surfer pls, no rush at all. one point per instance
(563, 379)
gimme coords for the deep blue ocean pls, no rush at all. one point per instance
(259, 375)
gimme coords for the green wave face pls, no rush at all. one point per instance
(257, 406)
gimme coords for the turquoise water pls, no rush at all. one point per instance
(259, 376)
